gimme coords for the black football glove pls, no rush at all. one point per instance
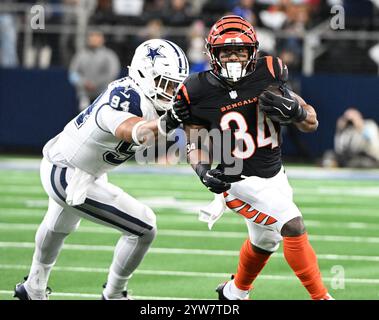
(215, 179)
(212, 179)
(178, 114)
(283, 109)
(181, 108)
(169, 121)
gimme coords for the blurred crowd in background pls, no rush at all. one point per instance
(282, 25)
(95, 41)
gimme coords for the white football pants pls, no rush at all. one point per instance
(105, 204)
(266, 204)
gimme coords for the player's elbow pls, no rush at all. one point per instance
(312, 127)
(312, 124)
(308, 126)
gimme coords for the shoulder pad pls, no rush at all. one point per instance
(277, 68)
(192, 78)
(282, 69)
(192, 87)
(125, 99)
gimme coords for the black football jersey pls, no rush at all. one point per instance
(215, 104)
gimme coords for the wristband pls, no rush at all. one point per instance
(134, 132)
(302, 115)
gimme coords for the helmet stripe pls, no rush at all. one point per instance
(185, 59)
(177, 53)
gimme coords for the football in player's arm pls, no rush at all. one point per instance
(278, 108)
(285, 106)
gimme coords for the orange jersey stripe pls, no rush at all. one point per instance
(270, 220)
(260, 217)
(235, 203)
(185, 92)
(270, 65)
(246, 213)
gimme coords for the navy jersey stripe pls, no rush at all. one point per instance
(52, 176)
(63, 178)
(117, 212)
(99, 205)
(99, 217)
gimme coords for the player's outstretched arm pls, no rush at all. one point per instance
(137, 130)
(141, 132)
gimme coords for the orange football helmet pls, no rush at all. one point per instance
(232, 31)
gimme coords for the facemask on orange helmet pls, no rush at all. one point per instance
(237, 32)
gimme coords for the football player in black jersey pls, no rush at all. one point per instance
(233, 98)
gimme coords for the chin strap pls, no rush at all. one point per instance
(233, 71)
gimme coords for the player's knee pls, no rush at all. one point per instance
(65, 228)
(151, 220)
(62, 224)
(150, 235)
(150, 217)
(261, 250)
(266, 242)
(293, 228)
(266, 246)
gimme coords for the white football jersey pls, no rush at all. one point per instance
(88, 141)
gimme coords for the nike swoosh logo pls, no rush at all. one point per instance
(285, 116)
(127, 96)
(289, 100)
(285, 106)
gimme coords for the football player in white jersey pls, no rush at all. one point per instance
(75, 165)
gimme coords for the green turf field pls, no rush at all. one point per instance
(187, 261)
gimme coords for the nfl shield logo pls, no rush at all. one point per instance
(233, 94)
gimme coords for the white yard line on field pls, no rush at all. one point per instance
(21, 188)
(21, 212)
(190, 274)
(324, 191)
(15, 227)
(188, 207)
(98, 296)
(182, 251)
(293, 172)
(193, 206)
